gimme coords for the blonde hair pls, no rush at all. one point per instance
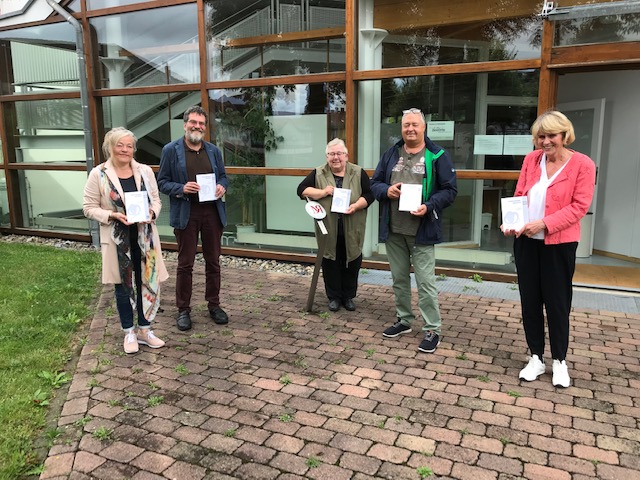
(113, 136)
(551, 122)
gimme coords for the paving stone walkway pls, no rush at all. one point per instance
(279, 394)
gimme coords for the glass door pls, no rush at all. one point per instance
(588, 121)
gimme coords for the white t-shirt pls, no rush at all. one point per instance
(537, 195)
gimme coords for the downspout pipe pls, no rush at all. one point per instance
(84, 100)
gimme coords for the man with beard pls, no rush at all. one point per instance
(190, 218)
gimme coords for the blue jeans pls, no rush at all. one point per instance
(123, 303)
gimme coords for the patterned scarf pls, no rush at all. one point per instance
(121, 236)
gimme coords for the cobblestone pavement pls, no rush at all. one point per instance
(283, 395)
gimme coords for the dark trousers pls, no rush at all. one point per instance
(123, 303)
(204, 222)
(340, 279)
(545, 274)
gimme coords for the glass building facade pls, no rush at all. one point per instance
(280, 79)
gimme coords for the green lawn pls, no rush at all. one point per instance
(45, 295)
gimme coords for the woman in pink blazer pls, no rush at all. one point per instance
(131, 256)
(559, 184)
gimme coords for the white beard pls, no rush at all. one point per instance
(195, 137)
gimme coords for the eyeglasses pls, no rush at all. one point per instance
(411, 110)
(195, 122)
(336, 154)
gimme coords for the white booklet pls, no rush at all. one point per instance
(137, 205)
(515, 212)
(341, 198)
(207, 182)
(410, 197)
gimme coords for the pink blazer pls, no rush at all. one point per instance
(568, 197)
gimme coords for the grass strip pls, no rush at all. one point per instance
(45, 294)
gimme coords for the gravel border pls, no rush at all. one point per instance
(225, 260)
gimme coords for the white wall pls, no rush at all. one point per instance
(617, 220)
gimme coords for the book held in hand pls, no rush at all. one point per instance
(137, 205)
(410, 197)
(341, 198)
(515, 212)
(207, 182)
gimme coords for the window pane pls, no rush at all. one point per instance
(52, 200)
(251, 21)
(46, 131)
(483, 121)
(274, 127)
(414, 33)
(137, 49)
(42, 59)
(155, 119)
(604, 29)
(4, 200)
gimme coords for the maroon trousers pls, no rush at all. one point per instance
(204, 222)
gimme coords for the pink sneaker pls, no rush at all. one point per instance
(147, 337)
(130, 343)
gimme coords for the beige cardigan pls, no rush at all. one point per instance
(96, 207)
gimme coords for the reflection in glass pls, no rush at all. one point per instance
(414, 34)
(42, 59)
(155, 119)
(97, 4)
(249, 22)
(4, 200)
(52, 200)
(603, 29)
(282, 126)
(137, 49)
(48, 131)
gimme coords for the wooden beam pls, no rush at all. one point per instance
(548, 81)
(500, 66)
(279, 38)
(351, 107)
(405, 15)
(602, 54)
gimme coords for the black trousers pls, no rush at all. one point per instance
(340, 279)
(545, 274)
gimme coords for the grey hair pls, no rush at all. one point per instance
(336, 141)
(198, 110)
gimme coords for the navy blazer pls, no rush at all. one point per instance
(172, 177)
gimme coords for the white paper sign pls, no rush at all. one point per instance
(515, 212)
(442, 130)
(207, 182)
(341, 198)
(410, 197)
(137, 205)
(488, 144)
(517, 144)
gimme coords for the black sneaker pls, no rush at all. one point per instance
(430, 342)
(398, 328)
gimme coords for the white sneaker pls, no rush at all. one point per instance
(533, 370)
(560, 374)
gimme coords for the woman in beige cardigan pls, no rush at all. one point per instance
(131, 256)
